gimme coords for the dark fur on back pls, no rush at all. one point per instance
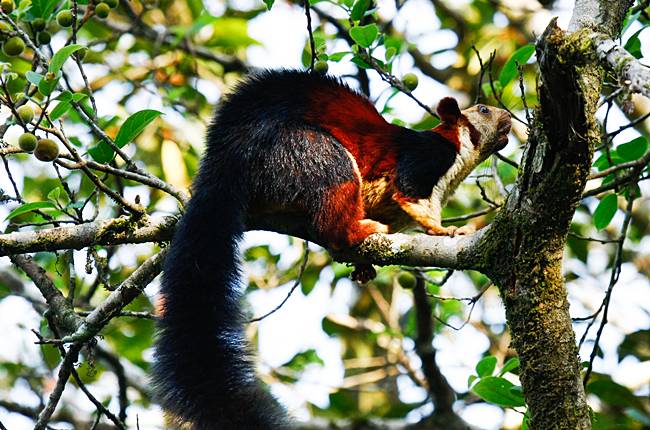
(261, 153)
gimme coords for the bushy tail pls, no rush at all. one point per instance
(203, 375)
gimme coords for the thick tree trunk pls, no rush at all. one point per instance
(523, 248)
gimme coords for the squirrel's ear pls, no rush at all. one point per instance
(448, 110)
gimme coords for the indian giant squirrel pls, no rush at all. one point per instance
(307, 145)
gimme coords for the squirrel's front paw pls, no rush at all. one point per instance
(465, 230)
(451, 230)
(442, 231)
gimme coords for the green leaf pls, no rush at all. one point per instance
(614, 394)
(390, 53)
(633, 45)
(603, 163)
(42, 8)
(46, 86)
(59, 58)
(54, 194)
(605, 211)
(524, 422)
(635, 344)
(364, 35)
(510, 365)
(361, 63)
(629, 20)
(79, 97)
(487, 88)
(34, 77)
(486, 366)
(101, 153)
(28, 207)
(470, 380)
(75, 205)
(65, 96)
(199, 23)
(61, 109)
(520, 56)
(134, 125)
(229, 32)
(426, 123)
(633, 150)
(338, 56)
(359, 9)
(269, 4)
(196, 6)
(498, 391)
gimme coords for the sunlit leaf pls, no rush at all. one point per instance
(633, 44)
(33, 77)
(42, 8)
(509, 366)
(54, 194)
(61, 55)
(28, 207)
(494, 389)
(359, 9)
(131, 128)
(633, 149)
(605, 211)
(60, 110)
(364, 35)
(521, 57)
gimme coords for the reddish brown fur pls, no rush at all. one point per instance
(450, 132)
(355, 122)
(341, 217)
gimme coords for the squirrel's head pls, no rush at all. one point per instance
(486, 126)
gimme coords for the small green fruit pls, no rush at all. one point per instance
(321, 66)
(25, 113)
(38, 24)
(112, 3)
(46, 150)
(64, 18)
(410, 81)
(13, 46)
(4, 27)
(27, 142)
(102, 10)
(44, 38)
(407, 280)
(7, 6)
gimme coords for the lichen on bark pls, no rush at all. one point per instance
(522, 252)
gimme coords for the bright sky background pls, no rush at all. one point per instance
(298, 325)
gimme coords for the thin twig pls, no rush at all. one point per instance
(65, 370)
(312, 44)
(616, 271)
(303, 265)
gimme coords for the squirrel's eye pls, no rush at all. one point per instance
(483, 109)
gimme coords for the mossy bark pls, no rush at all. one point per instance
(525, 244)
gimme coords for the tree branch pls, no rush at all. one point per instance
(407, 249)
(131, 288)
(630, 72)
(104, 232)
